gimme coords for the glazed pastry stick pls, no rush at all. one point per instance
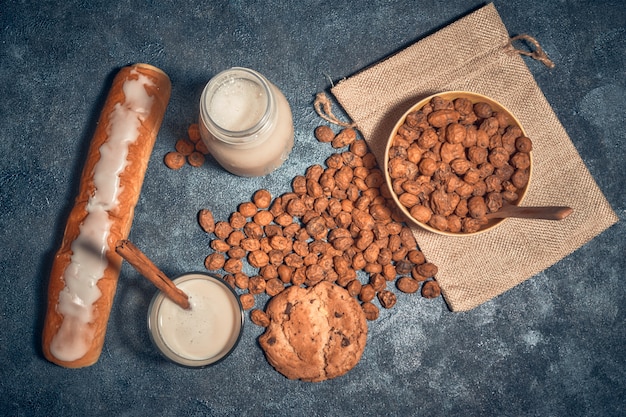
(86, 268)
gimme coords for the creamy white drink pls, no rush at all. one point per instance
(246, 122)
(202, 334)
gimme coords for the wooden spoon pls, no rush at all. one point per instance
(544, 213)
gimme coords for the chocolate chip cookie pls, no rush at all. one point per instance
(315, 333)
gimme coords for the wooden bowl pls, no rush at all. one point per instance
(452, 95)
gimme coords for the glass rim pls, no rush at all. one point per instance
(236, 136)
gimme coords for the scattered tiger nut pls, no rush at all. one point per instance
(260, 318)
(253, 231)
(219, 245)
(256, 285)
(416, 256)
(359, 148)
(233, 265)
(268, 272)
(262, 199)
(250, 244)
(285, 273)
(354, 287)
(193, 132)
(370, 310)
(403, 267)
(237, 220)
(324, 134)
(206, 220)
(386, 298)
(298, 276)
(263, 217)
(230, 280)
(430, 289)
(214, 261)
(367, 293)
(222, 229)
(185, 147)
(247, 301)
(314, 273)
(296, 207)
(247, 209)
(279, 243)
(408, 285)
(274, 286)
(344, 138)
(427, 269)
(195, 159)
(241, 280)
(202, 148)
(389, 272)
(258, 258)
(174, 160)
(378, 282)
(417, 276)
(235, 237)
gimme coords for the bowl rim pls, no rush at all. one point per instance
(450, 94)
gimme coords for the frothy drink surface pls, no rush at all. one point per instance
(238, 104)
(207, 328)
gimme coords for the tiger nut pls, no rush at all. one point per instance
(256, 285)
(344, 138)
(206, 220)
(214, 261)
(262, 199)
(247, 301)
(442, 118)
(386, 298)
(258, 258)
(430, 289)
(324, 134)
(370, 310)
(260, 318)
(408, 285)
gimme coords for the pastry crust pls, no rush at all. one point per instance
(122, 108)
(315, 333)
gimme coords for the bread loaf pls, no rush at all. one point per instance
(85, 269)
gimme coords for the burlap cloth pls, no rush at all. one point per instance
(474, 54)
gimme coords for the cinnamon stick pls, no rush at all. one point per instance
(145, 267)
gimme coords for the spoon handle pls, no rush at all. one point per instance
(545, 213)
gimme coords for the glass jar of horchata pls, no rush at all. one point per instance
(245, 122)
(204, 334)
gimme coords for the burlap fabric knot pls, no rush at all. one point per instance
(475, 53)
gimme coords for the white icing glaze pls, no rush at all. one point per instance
(88, 260)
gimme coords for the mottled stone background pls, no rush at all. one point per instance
(552, 346)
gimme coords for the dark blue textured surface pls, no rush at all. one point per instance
(554, 345)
